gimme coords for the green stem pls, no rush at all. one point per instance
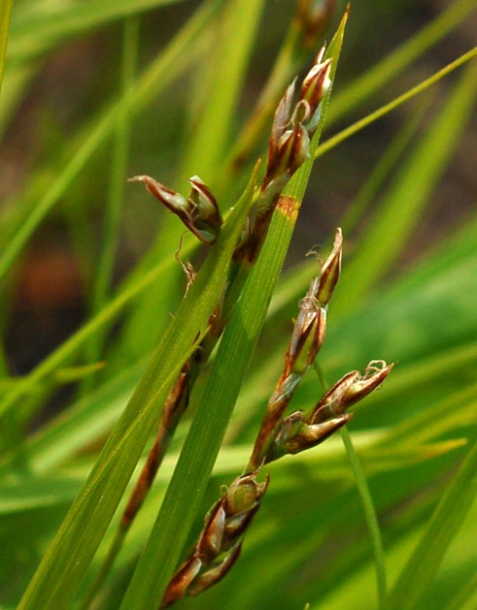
(380, 112)
(369, 514)
(366, 502)
(395, 63)
(440, 531)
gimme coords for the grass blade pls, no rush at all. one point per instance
(188, 483)
(5, 13)
(448, 516)
(405, 97)
(403, 207)
(71, 552)
(395, 63)
(370, 515)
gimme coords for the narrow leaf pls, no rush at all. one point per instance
(69, 555)
(445, 522)
(196, 461)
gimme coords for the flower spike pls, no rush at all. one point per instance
(220, 542)
(330, 271)
(314, 88)
(199, 212)
(297, 435)
(300, 431)
(349, 390)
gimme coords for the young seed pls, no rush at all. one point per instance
(219, 544)
(289, 147)
(199, 212)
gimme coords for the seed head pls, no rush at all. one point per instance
(312, 435)
(215, 573)
(218, 546)
(314, 88)
(244, 494)
(330, 271)
(308, 334)
(210, 542)
(199, 212)
(296, 434)
(285, 156)
(282, 119)
(181, 581)
(207, 208)
(349, 390)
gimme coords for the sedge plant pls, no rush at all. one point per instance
(193, 425)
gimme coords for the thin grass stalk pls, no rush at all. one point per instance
(397, 61)
(445, 522)
(380, 112)
(304, 34)
(370, 515)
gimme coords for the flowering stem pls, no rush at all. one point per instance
(219, 543)
(304, 34)
(289, 149)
